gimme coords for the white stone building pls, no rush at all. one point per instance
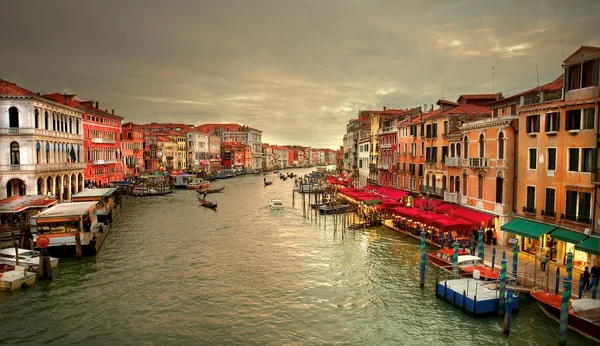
(42, 145)
(198, 146)
(364, 158)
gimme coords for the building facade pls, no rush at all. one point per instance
(132, 147)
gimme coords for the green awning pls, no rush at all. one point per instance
(590, 245)
(527, 228)
(568, 236)
(372, 202)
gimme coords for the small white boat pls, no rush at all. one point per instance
(14, 277)
(198, 183)
(277, 204)
(29, 259)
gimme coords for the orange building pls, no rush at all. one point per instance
(132, 147)
(557, 156)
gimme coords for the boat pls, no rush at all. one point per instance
(276, 204)
(584, 314)
(15, 277)
(225, 174)
(29, 259)
(198, 183)
(209, 191)
(182, 180)
(207, 204)
(467, 264)
(333, 209)
(267, 182)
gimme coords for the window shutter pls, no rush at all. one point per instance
(548, 122)
(528, 124)
(567, 82)
(537, 123)
(595, 72)
(568, 121)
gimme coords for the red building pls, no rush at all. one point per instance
(132, 146)
(101, 140)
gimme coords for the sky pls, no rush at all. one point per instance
(297, 70)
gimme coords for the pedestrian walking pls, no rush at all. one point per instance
(489, 234)
(544, 260)
(587, 283)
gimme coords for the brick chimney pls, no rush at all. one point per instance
(112, 111)
(97, 104)
(384, 108)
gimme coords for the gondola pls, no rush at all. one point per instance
(267, 183)
(207, 204)
(209, 191)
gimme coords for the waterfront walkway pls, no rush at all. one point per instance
(529, 270)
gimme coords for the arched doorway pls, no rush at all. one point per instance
(66, 188)
(40, 186)
(15, 187)
(48, 186)
(443, 182)
(73, 184)
(57, 185)
(80, 182)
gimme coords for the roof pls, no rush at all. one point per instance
(446, 102)
(462, 258)
(71, 101)
(555, 85)
(17, 204)
(466, 98)
(95, 193)
(468, 109)
(10, 89)
(66, 210)
(595, 49)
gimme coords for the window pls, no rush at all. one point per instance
(464, 188)
(480, 187)
(551, 159)
(13, 117)
(578, 206)
(457, 149)
(434, 130)
(573, 159)
(466, 140)
(499, 189)
(549, 204)
(573, 77)
(422, 148)
(552, 122)
(532, 158)
(532, 124)
(15, 156)
(37, 118)
(481, 146)
(589, 73)
(457, 185)
(589, 115)
(421, 170)
(446, 128)
(530, 207)
(587, 159)
(501, 146)
(444, 152)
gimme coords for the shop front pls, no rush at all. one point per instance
(590, 246)
(562, 242)
(531, 235)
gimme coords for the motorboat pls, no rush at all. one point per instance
(14, 277)
(29, 259)
(277, 204)
(198, 183)
(584, 314)
(333, 209)
(467, 265)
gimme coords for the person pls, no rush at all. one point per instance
(587, 283)
(596, 273)
(544, 260)
(489, 234)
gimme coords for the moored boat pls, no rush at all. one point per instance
(467, 264)
(584, 314)
(198, 183)
(333, 209)
(15, 277)
(29, 259)
(276, 204)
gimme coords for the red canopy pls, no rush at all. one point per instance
(411, 213)
(369, 187)
(366, 198)
(427, 217)
(472, 215)
(447, 224)
(392, 193)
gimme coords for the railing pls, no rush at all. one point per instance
(42, 132)
(549, 213)
(433, 190)
(479, 162)
(103, 140)
(385, 146)
(452, 197)
(103, 162)
(576, 218)
(46, 167)
(530, 210)
(452, 161)
(383, 166)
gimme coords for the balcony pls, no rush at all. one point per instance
(40, 132)
(529, 210)
(452, 197)
(103, 140)
(45, 167)
(576, 218)
(383, 166)
(452, 161)
(385, 146)
(103, 162)
(387, 130)
(438, 191)
(549, 213)
(479, 162)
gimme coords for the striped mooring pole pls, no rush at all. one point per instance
(557, 280)
(455, 261)
(515, 259)
(502, 286)
(423, 258)
(570, 266)
(442, 240)
(508, 314)
(564, 312)
(480, 243)
(472, 248)
(494, 257)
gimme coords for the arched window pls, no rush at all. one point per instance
(13, 117)
(457, 149)
(36, 116)
(451, 183)
(452, 150)
(480, 187)
(427, 180)
(457, 185)
(15, 158)
(465, 179)
(77, 126)
(443, 182)
(466, 149)
(70, 125)
(501, 146)
(433, 181)
(53, 122)
(46, 120)
(481, 146)
(38, 153)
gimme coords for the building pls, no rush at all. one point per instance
(234, 133)
(198, 147)
(364, 159)
(44, 141)
(167, 150)
(557, 155)
(355, 129)
(101, 140)
(132, 148)
(151, 155)
(375, 118)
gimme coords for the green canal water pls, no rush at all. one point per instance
(172, 272)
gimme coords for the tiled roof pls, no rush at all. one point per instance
(426, 116)
(597, 49)
(10, 89)
(468, 109)
(446, 102)
(71, 101)
(477, 97)
(555, 85)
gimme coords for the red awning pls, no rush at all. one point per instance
(366, 198)
(433, 203)
(472, 215)
(446, 208)
(369, 187)
(392, 193)
(447, 224)
(427, 217)
(410, 213)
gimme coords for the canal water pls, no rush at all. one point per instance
(172, 272)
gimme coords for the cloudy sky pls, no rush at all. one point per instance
(298, 70)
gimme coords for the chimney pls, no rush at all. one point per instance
(65, 97)
(112, 111)
(384, 107)
(432, 107)
(97, 104)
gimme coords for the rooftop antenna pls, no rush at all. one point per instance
(493, 77)
(538, 74)
(564, 40)
(443, 88)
